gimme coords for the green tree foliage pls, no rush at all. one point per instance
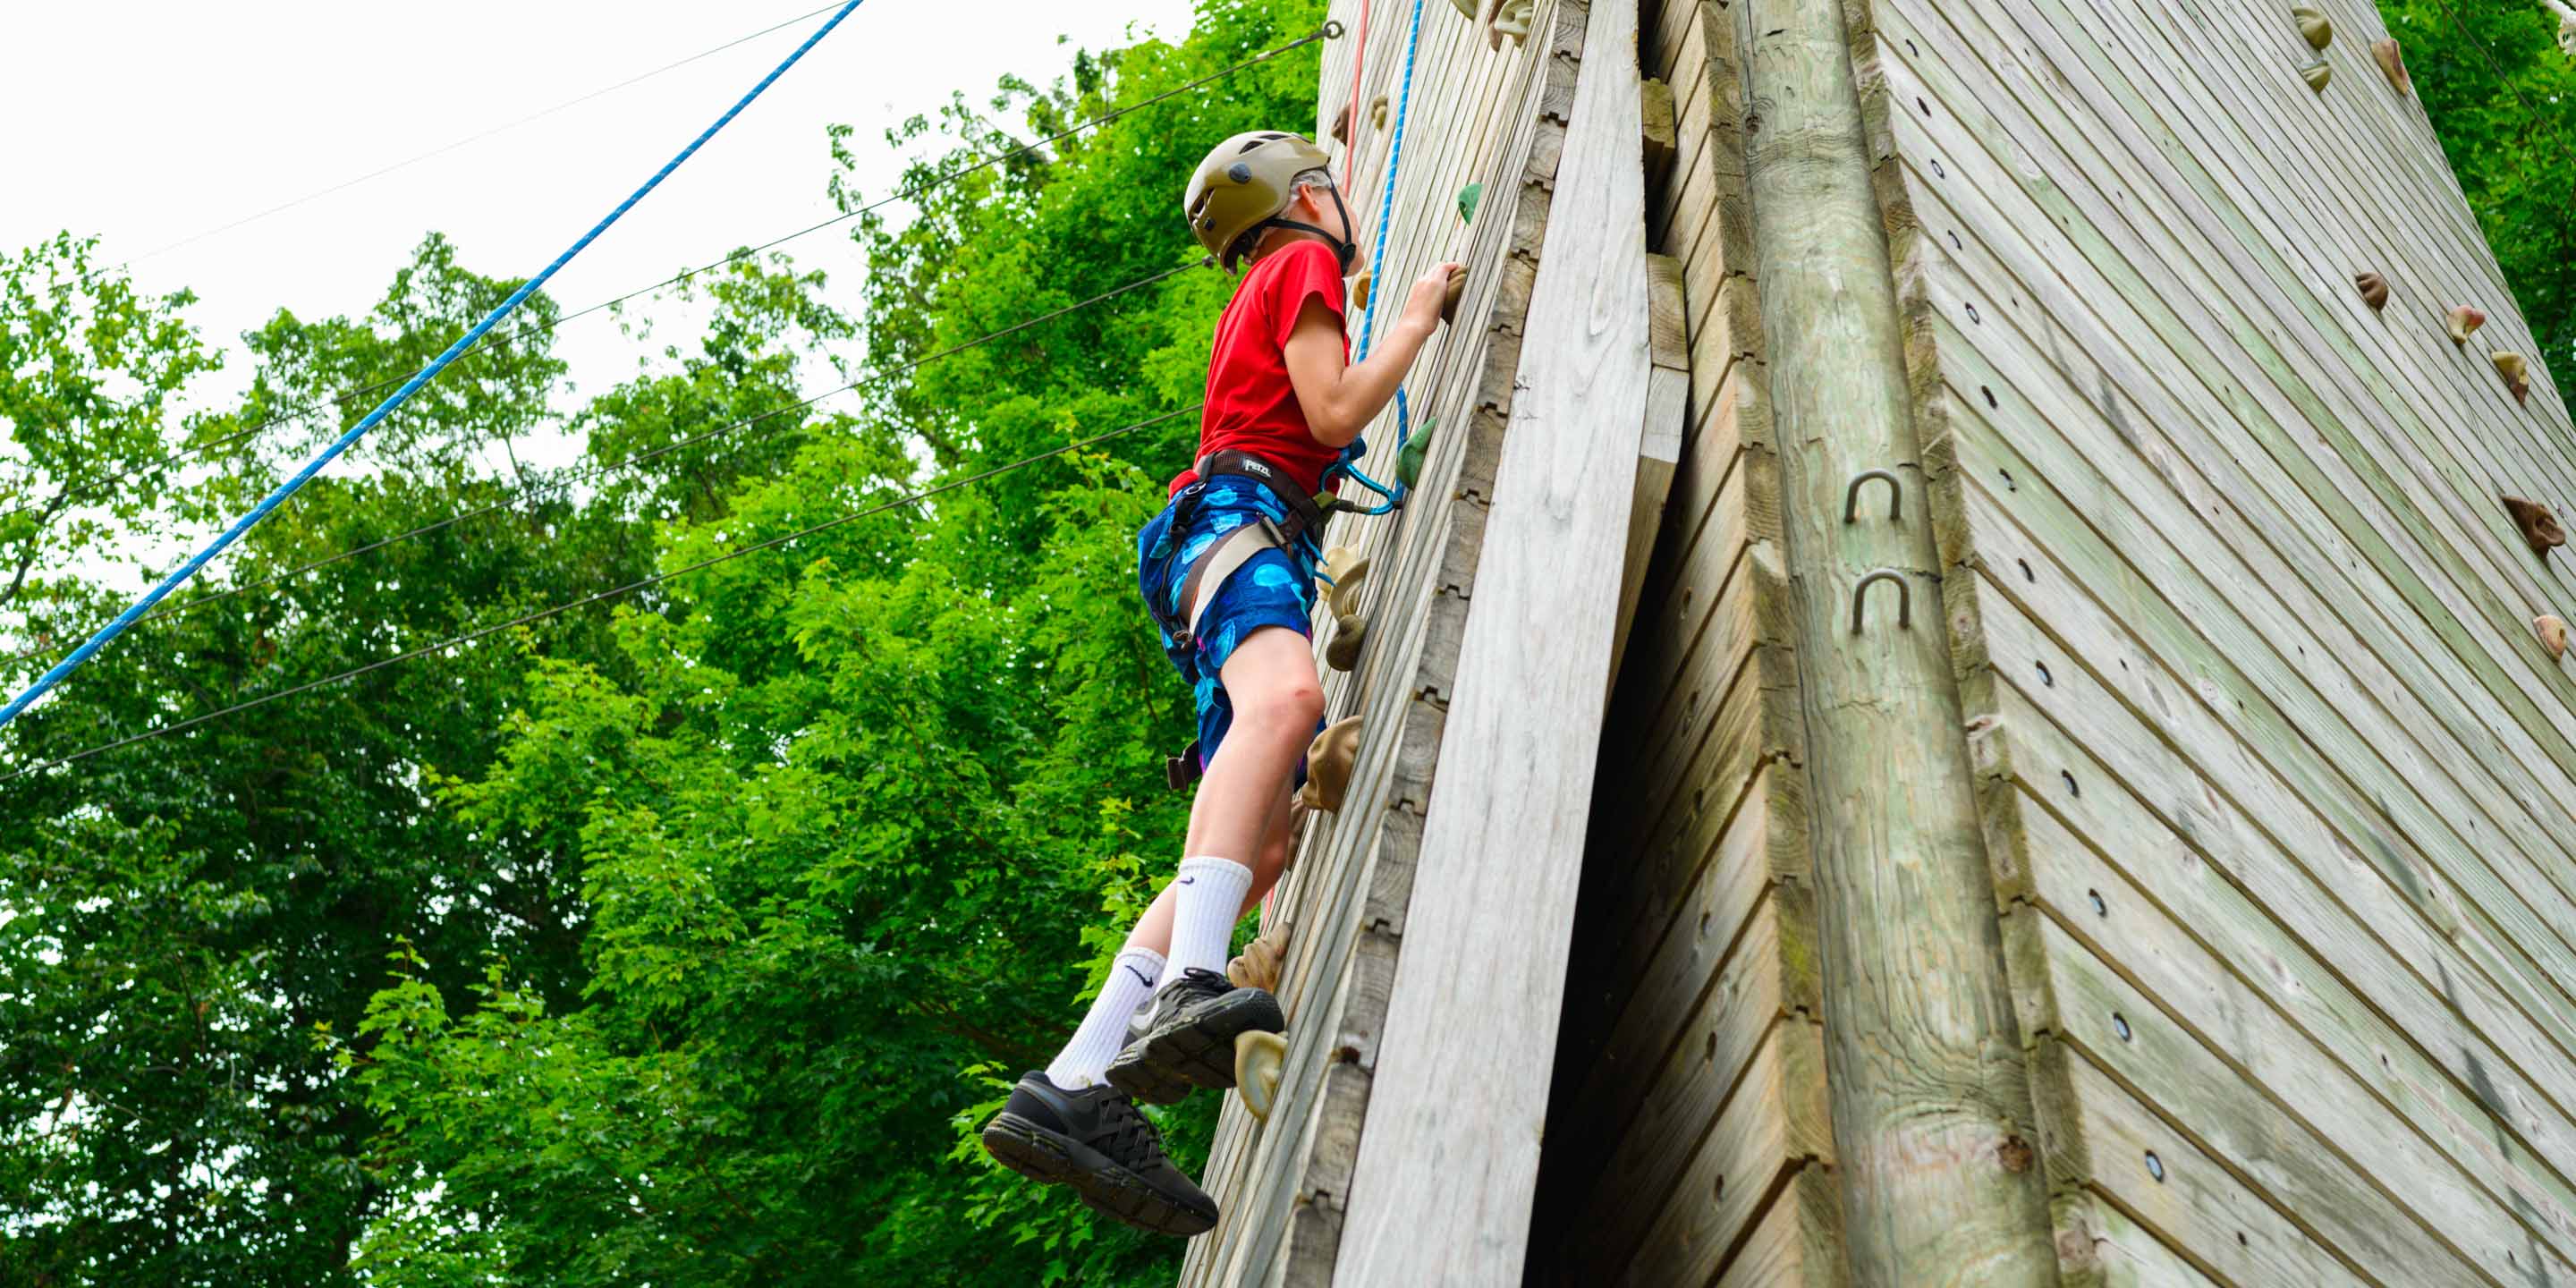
(683, 943)
(687, 943)
(88, 370)
(2502, 98)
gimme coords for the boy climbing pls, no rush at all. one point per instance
(1227, 570)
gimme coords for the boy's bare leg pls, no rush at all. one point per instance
(1153, 931)
(1272, 858)
(1237, 844)
(1270, 682)
(1277, 699)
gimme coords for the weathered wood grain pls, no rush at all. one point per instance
(2290, 996)
(2195, 724)
(1931, 1110)
(1797, 1242)
(2100, 1247)
(2313, 1146)
(2264, 753)
(2254, 373)
(2186, 828)
(1441, 1191)
(1766, 974)
(1659, 447)
(2099, 1138)
(1655, 112)
(1772, 1128)
(2067, 260)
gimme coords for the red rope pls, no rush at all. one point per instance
(1359, 59)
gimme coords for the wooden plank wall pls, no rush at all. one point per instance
(2278, 783)
(1478, 115)
(1688, 1137)
(1448, 1166)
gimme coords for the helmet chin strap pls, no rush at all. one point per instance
(1343, 250)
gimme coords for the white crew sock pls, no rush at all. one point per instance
(1085, 1059)
(1209, 899)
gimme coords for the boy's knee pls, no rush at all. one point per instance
(1293, 707)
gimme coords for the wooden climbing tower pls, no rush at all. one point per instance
(1960, 700)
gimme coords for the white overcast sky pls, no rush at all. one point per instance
(149, 122)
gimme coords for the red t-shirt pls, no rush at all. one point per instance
(1251, 407)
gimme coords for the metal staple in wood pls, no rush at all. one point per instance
(1895, 495)
(1904, 598)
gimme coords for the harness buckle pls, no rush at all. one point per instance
(1184, 769)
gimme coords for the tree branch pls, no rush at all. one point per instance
(44, 518)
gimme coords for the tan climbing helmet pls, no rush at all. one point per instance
(1243, 185)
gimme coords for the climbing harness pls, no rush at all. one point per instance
(1206, 574)
(428, 373)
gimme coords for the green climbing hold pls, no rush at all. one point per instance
(1469, 198)
(1408, 462)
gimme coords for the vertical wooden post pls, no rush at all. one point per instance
(1448, 1164)
(1931, 1100)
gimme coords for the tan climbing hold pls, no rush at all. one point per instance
(1342, 124)
(2553, 633)
(2516, 373)
(1377, 112)
(2313, 25)
(2465, 322)
(1257, 966)
(2316, 74)
(2539, 526)
(1457, 291)
(1465, 7)
(1328, 765)
(2392, 62)
(1260, 1061)
(2374, 290)
(1508, 18)
(1359, 289)
(1340, 576)
(1349, 632)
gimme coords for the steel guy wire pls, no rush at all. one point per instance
(644, 583)
(578, 473)
(529, 331)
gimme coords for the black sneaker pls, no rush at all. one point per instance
(1190, 1041)
(1096, 1142)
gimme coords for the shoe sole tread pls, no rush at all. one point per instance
(1107, 1188)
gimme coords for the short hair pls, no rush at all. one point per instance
(1318, 176)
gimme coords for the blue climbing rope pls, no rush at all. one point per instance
(284, 490)
(1348, 461)
(1386, 193)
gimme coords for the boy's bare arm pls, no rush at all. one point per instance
(1340, 400)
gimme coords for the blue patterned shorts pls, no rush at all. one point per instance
(1274, 588)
